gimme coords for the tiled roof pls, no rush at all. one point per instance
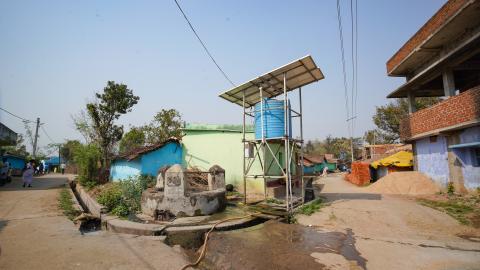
(135, 153)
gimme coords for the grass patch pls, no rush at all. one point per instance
(274, 200)
(311, 207)
(465, 209)
(65, 203)
(233, 193)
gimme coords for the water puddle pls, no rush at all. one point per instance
(275, 245)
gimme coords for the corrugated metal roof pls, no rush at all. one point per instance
(299, 73)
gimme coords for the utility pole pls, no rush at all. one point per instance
(351, 138)
(35, 139)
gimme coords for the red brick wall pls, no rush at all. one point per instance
(452, 111)
(435, 22)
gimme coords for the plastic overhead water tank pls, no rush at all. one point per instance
(273, 119)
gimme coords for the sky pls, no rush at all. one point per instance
(54, 56)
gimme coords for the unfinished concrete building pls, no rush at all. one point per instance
(442, 59)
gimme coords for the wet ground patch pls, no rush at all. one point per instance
(276, 245)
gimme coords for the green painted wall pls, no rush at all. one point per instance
(204, 148)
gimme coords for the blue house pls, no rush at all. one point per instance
(17, 163)
(146, 160)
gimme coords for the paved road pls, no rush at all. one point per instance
(35, 235)
(393, 232)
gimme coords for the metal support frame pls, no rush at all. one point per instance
(263, 148)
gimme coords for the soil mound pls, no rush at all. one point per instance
(406, 183)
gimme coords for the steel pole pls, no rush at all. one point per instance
(243, 145)
(287, 171)
(301, 144)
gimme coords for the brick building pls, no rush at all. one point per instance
(442, 59)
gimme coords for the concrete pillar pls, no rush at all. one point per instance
(216, 177)
(448, 83)
(454, 164)
(411, 103)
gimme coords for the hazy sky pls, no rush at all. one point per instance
(54, 55)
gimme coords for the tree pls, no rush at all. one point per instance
(309, 147)
(19, 148)
(115, 100)
(132, 139)
(338, 146)
(165, 124)
(83, 124)
(67, 150)
(374, 136)
(30, 136)
(388, 117)
(87, 158)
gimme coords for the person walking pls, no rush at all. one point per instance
(62, 167)
(28, 175)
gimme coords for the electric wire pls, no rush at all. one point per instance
(345, 83)
(46, 134)
(19, 117)
(203, 44)
(353, 69)
(356, 59)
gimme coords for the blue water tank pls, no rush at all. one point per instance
(274, 119)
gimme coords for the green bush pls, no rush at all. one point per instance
(87, 158)
(450, 188)
(111, 196)
(124, 197)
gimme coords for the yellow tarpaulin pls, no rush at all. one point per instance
(400, 159)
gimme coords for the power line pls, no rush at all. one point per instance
(203, 44)
(353, 67)
(19, 117)
(345, 84)
(356, 55)
(48, 136)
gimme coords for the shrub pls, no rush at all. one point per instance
(450, 188)
(111, 196)
(124, 197)
(87, 158)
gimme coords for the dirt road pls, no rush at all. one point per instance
(392, 232)
(35, 235)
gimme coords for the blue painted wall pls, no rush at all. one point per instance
(308, 170)
(470, 170)
(122, 169)
(15, 162)
(148, 163)
(169, 154)
(432, 159)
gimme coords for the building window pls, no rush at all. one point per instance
(476, 157)
(433, 139)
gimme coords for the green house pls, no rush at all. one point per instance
(318, 162)
(208, 145)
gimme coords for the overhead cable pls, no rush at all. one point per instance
(203, 44)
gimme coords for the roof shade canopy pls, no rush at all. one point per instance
(298, 73)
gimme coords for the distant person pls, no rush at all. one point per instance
(40, 168)
(325, 171)
(62, 167)
(28, 175)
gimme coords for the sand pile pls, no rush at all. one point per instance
(406, 183)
